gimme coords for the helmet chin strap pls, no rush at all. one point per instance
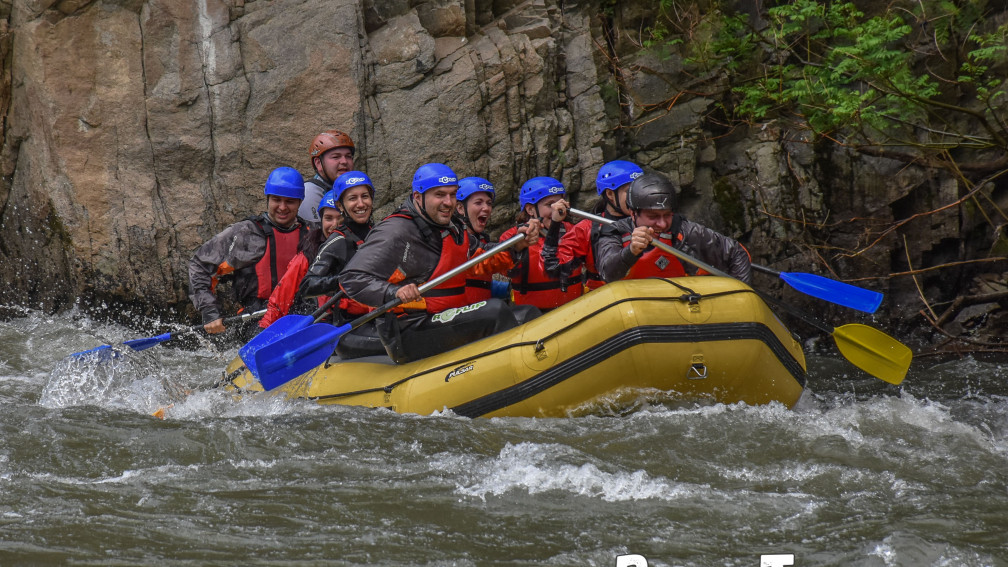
(465, 217)
(425, 214)
(609, 203)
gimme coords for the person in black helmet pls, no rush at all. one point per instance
(625, 250)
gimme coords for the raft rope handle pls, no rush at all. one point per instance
(686, 297)
(689, 297)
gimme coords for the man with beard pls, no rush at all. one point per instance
(625, 247)
(416, 244)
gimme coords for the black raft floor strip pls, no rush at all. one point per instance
(625, 340)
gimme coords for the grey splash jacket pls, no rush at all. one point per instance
(234, 252)
(614, 259)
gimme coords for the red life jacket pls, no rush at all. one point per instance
(533, 286)
(655, 263)
(593, 280)
(281, 248)
(478, 286)
(451, 293)
(282, 298)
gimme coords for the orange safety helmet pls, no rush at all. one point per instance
(328, 140)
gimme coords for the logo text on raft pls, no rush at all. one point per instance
(448, 314)
(458, 372)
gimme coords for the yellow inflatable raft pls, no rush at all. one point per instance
(706, 339)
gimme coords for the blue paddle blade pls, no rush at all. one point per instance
(98, 354)
(106, 352)
(144, 344)
(278, 330)
(834, 291)
(288, 358)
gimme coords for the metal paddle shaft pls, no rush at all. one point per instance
(283, 360)
(820, 287)
(105, 352)
(867, 348)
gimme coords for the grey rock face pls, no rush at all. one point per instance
(135, 130)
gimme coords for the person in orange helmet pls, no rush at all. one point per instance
(332, 155)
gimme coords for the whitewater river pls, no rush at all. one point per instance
(860, 473)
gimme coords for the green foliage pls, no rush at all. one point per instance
(874, 79)
(991, 48)
(839, 67)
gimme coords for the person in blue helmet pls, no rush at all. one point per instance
(576, 250)
(286, 298)
(417, 243)
(353, 196)
(253, 253)
(474, 205)
(530, 283)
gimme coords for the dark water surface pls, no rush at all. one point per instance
(860, 473)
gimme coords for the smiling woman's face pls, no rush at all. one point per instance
(331, 218)
(357, 203)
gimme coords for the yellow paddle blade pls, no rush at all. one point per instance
(873, 351)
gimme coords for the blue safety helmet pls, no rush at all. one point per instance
(328, 201)
(349, 180)
(616, 174)
(538, 188)
(285, 182)
(432, 175)
(470, 185)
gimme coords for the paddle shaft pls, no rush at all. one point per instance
(320, 313)
(237, 319)
(148, 342)
(660, 245)
(808, 318)
(392, 304)
(248, 316)
(867, 348)
(766, 270)
(226, 322)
